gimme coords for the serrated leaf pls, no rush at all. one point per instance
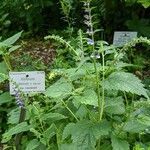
(13, 116)
(12, 39)
(5, 98)
(144, 119)
(59, 89)
(75, 74)
(121, 64)
(134, 126)
(85, 133)
(50, 132)
(114, 105)
(36, 133)
(125, 82)
(52, 117)
(33, 144)
(21, 127)
(119, 144)
(89, 97)
(67, 130)
(81, 112)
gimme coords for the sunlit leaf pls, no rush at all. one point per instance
(33, 144)
(125, 82)
(89, 97)
(21, 127)
(59, 89)
(12, 39)
(85, 133)
(5, 98)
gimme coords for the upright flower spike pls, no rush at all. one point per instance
(88, 23)
(18, 97)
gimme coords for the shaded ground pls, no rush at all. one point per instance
(33, 54)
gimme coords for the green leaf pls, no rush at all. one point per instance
(121, 64)
(3, 77)
(89, 97)
(50, 132)
(21, 127)
(3, 68)
(59, 89)
(75, 73)
(145, 3)
(13, 116)
(33, 144)
(144, 119)
(68, 147)
(5, 98)
(13, 48)
(119, 144)
(81, 112)
(68, 130)
(2, 45)
(52, 117)
(114, 105)
(12, 39)
(134, 126)
(36, 133)
(125, 82)
(85, 133)
(106, 146)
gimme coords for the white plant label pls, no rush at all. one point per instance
(123, 37)
(27, 82)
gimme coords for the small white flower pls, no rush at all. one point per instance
(90, 42)
(86, 4)
(89, 32)
(88, 23)
(87, 17)
(95, 55)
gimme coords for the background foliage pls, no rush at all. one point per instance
(35, 16)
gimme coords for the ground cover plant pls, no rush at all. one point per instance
(93, 101)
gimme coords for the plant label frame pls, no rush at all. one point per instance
(122, 37)
(27, 82)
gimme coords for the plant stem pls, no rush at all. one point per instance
(98, 89)
(103, 78)
(95, 67)
(19, 135)
(70, 110)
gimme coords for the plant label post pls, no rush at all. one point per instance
(26, 83)
(123, 37)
